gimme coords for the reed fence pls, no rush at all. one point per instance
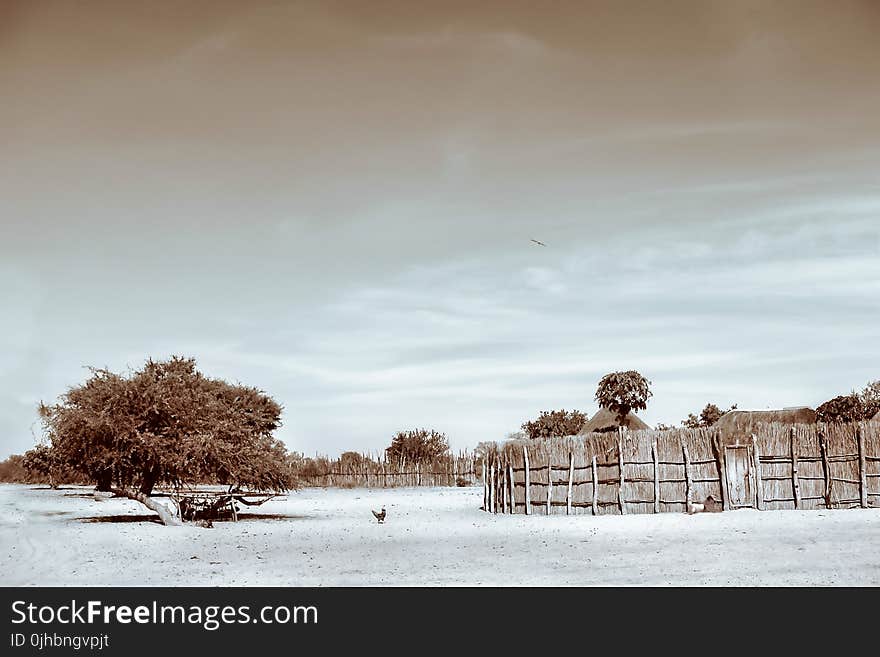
(777, 467)
(457, 470)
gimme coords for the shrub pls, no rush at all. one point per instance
(555, 423)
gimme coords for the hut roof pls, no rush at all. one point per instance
(740, 422)
(876, 417)
(605, 420)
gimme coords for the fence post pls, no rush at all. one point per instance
(656, 476)
(502, 478)
(759, 474)
(502, 482)
(512, 487)
(549, 481)
(722, 471)
(826, 468)
(492, 492)
(796, 487)
(570, 483)
(528, 481)
(688, 487)
(485, 487)
(620, 501)
(863, 479)
(594, 468)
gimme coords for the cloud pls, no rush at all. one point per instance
(336, 204)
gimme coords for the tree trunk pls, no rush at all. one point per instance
(148, 481)
(165, 514)
(105, 481)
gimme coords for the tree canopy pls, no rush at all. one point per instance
(42, 462)
(168, 423)
(555, 423)
(870, 399)
(351, 460)
(417, 446)
(623, 392)
(843, 408)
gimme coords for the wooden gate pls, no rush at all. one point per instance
(740, 478)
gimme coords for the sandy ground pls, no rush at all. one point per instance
(433, 536)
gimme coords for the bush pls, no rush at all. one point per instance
(555, 423)
(417, 446)
(844, 408)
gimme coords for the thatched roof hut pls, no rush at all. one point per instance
(606, 420)
(741, 425)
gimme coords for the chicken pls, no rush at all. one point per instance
(380, 516)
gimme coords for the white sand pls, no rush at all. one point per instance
(432, 537)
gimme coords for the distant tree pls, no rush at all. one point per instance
(351, 460)
(486, 447)
(555, 423)
(623, 392)
(308, 468)
(869, 397)
(167, 423)
(691, 422)
(43, 462)
(708, 416)
(12, 470)
(844, 408)
(417, 446)
(663, 427)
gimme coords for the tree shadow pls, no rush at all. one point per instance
(265, 516)
(141, 517)
(48, 487)
(91, 496)
(146, 517)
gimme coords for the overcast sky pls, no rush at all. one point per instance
(334, 202)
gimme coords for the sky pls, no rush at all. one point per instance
(335, 201)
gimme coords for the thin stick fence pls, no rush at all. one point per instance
(777, 467)
(457, 470)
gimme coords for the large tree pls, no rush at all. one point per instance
(167, 424)
(623, 392)
(555, 423)
(417, 446)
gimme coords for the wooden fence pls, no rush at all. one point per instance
(459, 470)
(778, 467)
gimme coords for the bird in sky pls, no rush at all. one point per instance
(537, 242)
